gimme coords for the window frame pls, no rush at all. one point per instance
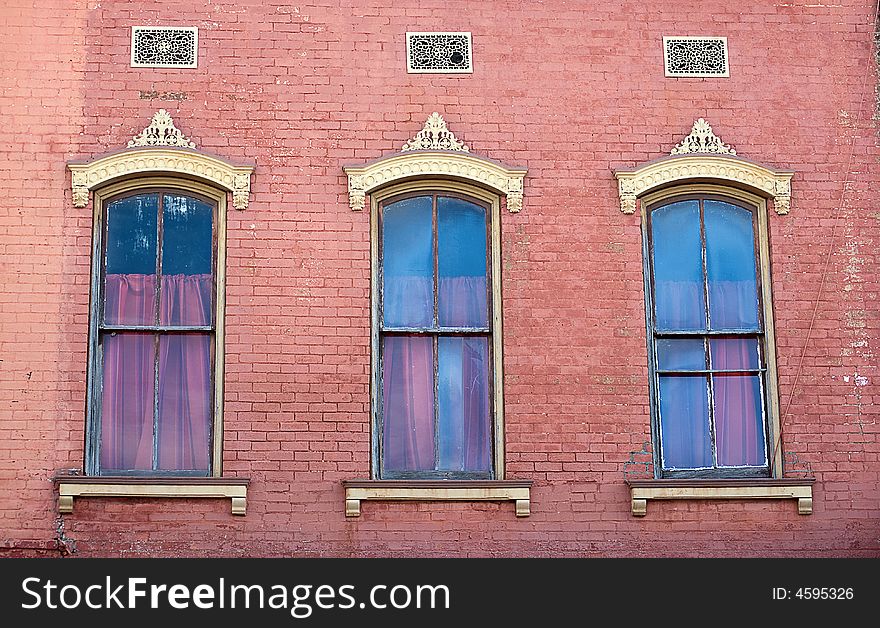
(102, 198)
(492, 204)
(766, 338)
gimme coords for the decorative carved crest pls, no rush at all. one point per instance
(702, 140)
(365, 178)
(435, 136)
(700, 167)
(161, 132)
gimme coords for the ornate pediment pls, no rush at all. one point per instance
(435, 136)
(702, 156)
(161, 132)
(702, 140)
(435, 153)
(159, 149)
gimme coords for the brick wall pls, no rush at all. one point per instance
(569, 90)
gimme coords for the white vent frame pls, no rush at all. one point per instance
(135, 30)
(410, 35)
(677, 74)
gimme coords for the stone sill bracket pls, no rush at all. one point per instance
(517, 491)
(800, 489)
(70, 487)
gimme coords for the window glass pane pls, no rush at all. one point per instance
(730, 267)
(461, 249)
(681, 354)
(185, 398)
(408, 263)
(187, 259)
(127, 402)
(407, 403)
(684, 422)
(739, 425)
(464, 426)
(130, 262)
(679, 302)
(734, 353)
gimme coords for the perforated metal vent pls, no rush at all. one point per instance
(447, 53)
(164, 47)
(696, 56)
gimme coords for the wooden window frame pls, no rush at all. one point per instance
(491, 203)
(767, 344)
(102, 198)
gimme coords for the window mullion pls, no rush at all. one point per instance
(436, 352)
(435, 246)
(157, 335)
(710, 388)
(155, 452)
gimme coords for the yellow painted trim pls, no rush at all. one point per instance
(182, 162)
(690, 168)
(197, 187)
(365, 179)
(492, 200)
(237, 493)
(802, 493)
(520, 495)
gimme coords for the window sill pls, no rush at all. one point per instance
(70, 487)
(800, 489)
(517, 491)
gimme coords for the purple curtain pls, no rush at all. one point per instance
(130, 299)
(408, 403)
(186, 299)
(185, 380)
(739, 437)
(462, 302)
(127, 402)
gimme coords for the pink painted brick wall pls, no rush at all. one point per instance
(569, 90)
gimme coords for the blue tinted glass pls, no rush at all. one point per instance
(187, 286)
(730, 267)
(681, 354)
(679, 302)
(739, 420)
(461, 250)
(464, 424)
(407, 263)
(730, 354)
(684, 422)
(132, 234)
(187, 238)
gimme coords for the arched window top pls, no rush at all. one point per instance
(710, 326)
(703, 157)
(436, 153)
(161, 149)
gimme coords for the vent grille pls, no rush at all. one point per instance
(164, 47)
(445, 53)
(696, 56)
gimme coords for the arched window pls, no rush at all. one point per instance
(437, 425)
(154, 344)
(436, 371)
(714, 403)
(708, 331)
(154, 406)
